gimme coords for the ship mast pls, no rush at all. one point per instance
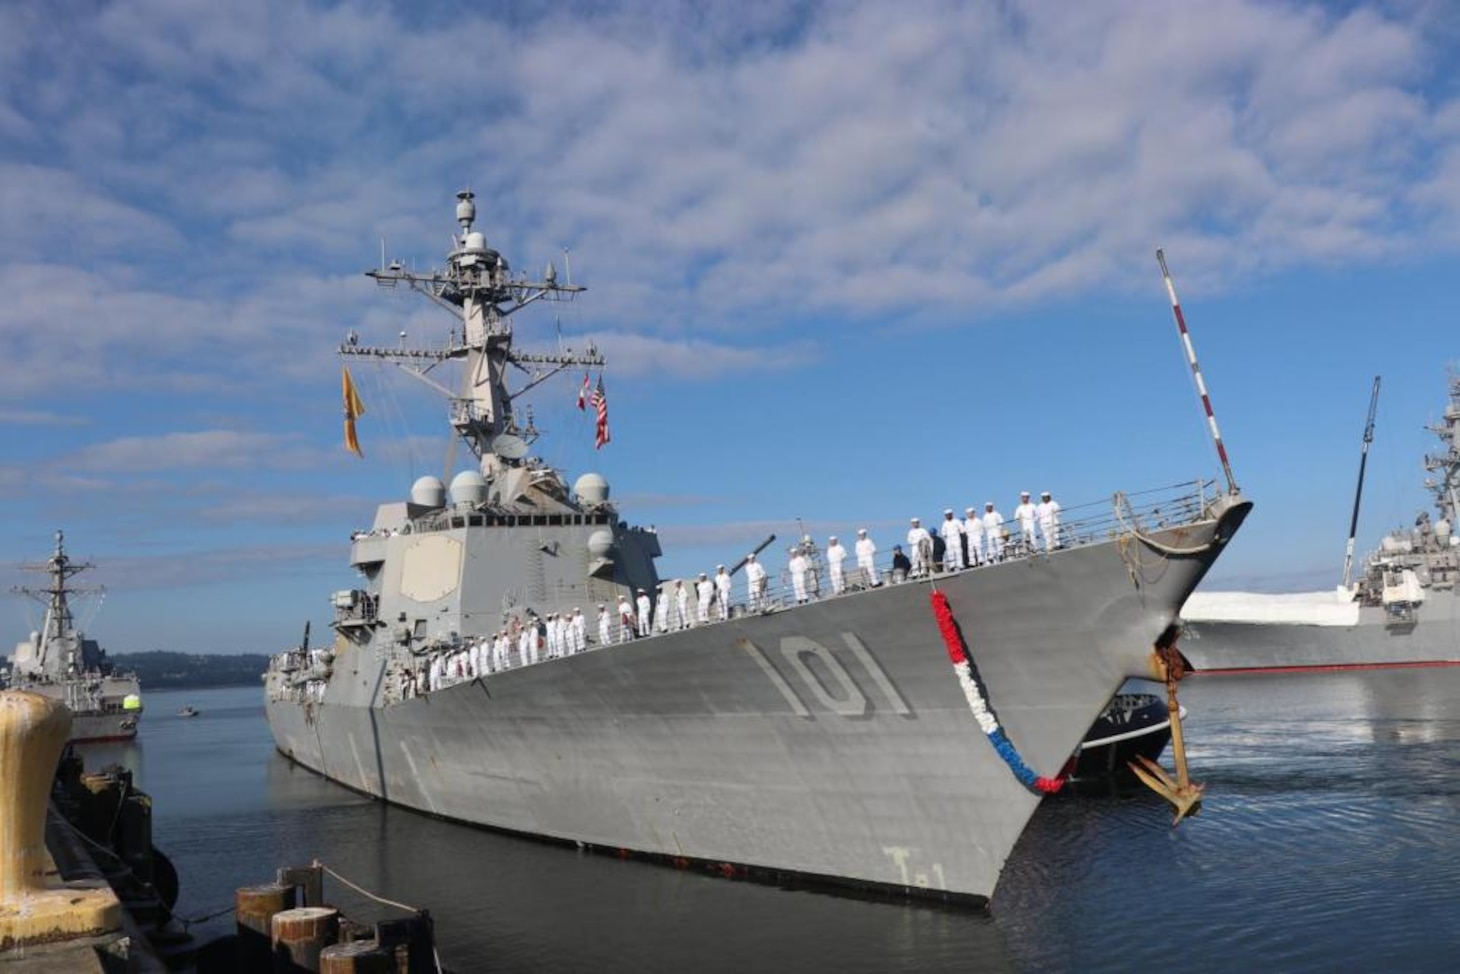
(478, 287)
(1447, 464)
(59, 624)
(1353, 524)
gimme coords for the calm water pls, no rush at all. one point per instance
(1330, 841)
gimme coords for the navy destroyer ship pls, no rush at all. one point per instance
(894, 737)
(1404, 610)
(59, 661)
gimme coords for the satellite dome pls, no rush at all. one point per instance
(468, 487)
(428, 492)
(600, 543)
(591, 489)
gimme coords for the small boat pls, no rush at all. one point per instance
(188, 711)
(1135, 724)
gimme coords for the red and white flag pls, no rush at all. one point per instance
(600, 407)
(583, 392)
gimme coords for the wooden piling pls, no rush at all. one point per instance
(254, 909)
(357, 957)
(300, 935)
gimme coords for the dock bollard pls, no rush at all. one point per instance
(254, 909)
(34, 907)
(357, 957)
(301, 935)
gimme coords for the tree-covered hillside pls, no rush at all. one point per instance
(160, 670)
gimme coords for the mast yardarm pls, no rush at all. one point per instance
(479, 288)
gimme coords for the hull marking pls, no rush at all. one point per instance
(778, 681)
(849, 701)
(826, 679)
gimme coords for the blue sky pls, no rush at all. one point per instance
(849, 262)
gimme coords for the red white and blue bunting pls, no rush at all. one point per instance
(982, 712)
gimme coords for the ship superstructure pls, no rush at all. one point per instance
(830, 739)
(58, 659)
(1403, 609)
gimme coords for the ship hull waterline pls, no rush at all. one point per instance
(831, 742)
(1371, 640)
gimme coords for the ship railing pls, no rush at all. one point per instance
(1080, 525)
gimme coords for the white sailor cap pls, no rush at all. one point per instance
(1023, 493)
(831, 538)
(968, 510)
(703, 575)
(913, 520)
(861, 530)
(1044, 493)
(750, 557)
(641, 590)
(988, 503)
(719, 568)
(947, 512)
(602, 606)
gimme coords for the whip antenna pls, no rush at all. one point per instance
(1353, 524)
(1201, 386)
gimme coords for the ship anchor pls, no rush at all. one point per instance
(1183, 793)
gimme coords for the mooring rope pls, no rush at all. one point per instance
(982, 712)
(435, 955)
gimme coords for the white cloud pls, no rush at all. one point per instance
(202, 450)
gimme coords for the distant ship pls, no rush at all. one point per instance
(58, 660)
(889, 738)
(1404, 610)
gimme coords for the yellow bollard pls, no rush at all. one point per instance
(36, 906)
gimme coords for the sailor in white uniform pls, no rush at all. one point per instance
(524, 640)
(681, 605)
(797, 567)
(605, 625)
(625, 619)
(704, 592)
(536, 645)
(722, 591)
(580, 630)
(661, 608)
(920, 545)
(835, 555)
(993, 529)
(755, 582)
(1025, 515)
(1049, 520)
(973, 530)
(952, 532)
(644, 608)
(866, 557)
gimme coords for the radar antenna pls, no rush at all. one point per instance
(478, 288)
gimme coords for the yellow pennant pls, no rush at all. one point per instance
(354, 409)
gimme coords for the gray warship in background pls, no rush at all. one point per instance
(59, 661)
(1403, 610)
(831, 741)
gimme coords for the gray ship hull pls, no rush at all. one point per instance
(831, 740)
(109, 722)
(1326, 635)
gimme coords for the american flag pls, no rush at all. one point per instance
(600, 407)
